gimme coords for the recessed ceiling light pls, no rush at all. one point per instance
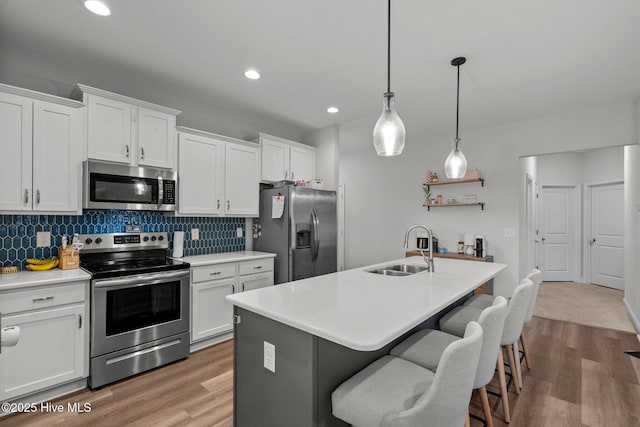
(252, 74)
(97, 7)
(332, 110)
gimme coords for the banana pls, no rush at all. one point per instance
(53, 262)
(35, 261)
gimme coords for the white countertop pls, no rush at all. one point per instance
(366, 311)
(209, 259)
(25, 279)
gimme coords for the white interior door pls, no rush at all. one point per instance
(558, 222)
(607, 235)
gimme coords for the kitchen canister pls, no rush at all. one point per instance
(178, 244)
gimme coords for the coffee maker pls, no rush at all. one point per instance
(481, 246)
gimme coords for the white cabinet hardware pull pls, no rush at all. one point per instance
(38, 196)
(285, 174)
(292, 178)
(126, 151)
(228, 205)
(141, 153)
(218, 203)
(26, 195)
(43, 299)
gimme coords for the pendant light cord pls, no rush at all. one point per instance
(389, 47)
(457, 101)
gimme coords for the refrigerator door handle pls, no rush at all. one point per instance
(316, 234)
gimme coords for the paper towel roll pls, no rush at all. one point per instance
(10, 336)
(178, 244)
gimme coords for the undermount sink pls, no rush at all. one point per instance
(398, 270)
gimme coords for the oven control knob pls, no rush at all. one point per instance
(88, 241)
(161, 238)
(98, 241)
(153, 238)
(145, 238)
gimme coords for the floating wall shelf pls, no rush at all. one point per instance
(428, 185)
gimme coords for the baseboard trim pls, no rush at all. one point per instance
(633, 317)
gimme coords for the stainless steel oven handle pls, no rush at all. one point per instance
(143, 279)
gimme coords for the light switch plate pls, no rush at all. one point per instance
(239, 232)
(509, 232)
(43, 239)
(195, 234)
(270, 356)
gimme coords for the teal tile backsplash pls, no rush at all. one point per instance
(18, 232)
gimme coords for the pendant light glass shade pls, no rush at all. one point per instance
(389, 133)
(456, 164)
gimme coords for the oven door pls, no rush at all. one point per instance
(131, 310)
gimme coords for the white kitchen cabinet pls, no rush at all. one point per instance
(211, 313)
(52, 346)
(127, 130)
(282, 159)
(201, 175)
(242, 188)
(40, 137)
(217, 175)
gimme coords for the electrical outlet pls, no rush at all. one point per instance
(509, 232)
(43, 239)
(239, 232)
(195, 234)
(270, 356)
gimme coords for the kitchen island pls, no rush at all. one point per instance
(295, 343)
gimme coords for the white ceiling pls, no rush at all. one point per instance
(524, 59)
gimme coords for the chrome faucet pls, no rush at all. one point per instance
(429, 260)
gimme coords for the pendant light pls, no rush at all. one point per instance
(389, 133)
(456, 164)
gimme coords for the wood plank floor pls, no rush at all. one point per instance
(580, 377)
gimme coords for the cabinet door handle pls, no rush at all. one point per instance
(215, 273)
(257, 267)
(228, 204)
(218, 203)
(285, 174)
(79, 321)
(233, 289)
(26, 195)
(292, 177)
(242, 286)
(126, 151)
(141, 153)
(43, 299)
(37, 196)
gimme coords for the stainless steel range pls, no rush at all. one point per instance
(139, 304)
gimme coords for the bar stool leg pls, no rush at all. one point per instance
(525, 349)
(516, 355)
(512, 368)
(485, 406)
(503, 387)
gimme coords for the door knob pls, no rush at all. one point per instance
(592, 241)
(543, 239)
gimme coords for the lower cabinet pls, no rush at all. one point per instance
(211, 313)
(52, 342)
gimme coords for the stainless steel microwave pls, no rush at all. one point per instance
(113, 186)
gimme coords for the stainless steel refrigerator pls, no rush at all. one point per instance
(303, 235)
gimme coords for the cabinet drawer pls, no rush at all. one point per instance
(41, 297)
(213, 272)
(256, 266)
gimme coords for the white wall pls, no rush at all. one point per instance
(632, 233)
(603, 166)
(560, 169)
(384, 195)
(326, 142)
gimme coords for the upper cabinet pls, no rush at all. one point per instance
(282, 159)
(40, 136)
(217, 175)
(126, 130)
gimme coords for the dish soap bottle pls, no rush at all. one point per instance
(461, 244)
